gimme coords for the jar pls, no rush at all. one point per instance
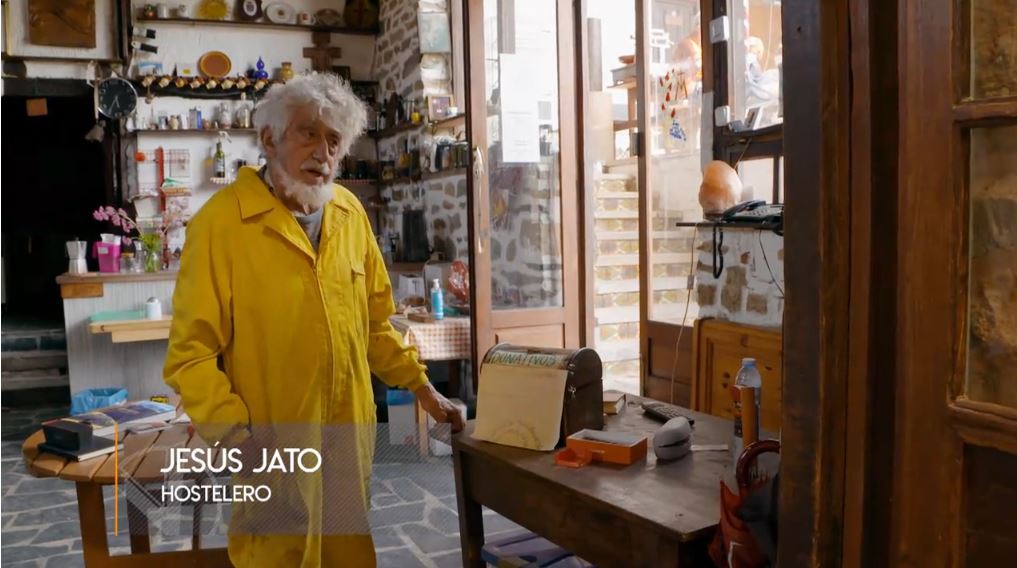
(174, 122)
(126, 262)
(286, 73)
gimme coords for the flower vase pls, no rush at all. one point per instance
(153, 257)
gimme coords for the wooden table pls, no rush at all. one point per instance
(142, 457)
(646, 514)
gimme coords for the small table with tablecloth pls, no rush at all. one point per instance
(441, 340)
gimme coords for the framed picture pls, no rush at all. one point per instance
(149, 68)
(437, 107)
(753, 118)
(435, 33)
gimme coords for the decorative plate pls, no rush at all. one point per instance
(213, 10)
(280, 13)
(329, 17)
(248, 10)
(215, 64)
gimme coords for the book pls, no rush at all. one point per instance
(95, 447)
(614, 402)
(104, 420)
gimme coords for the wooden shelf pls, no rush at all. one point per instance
(128, 331)
(444, 173)
(201, 92)
(763, 226)
(393, 130)
(243, 24)
(450, 121)
(195, 131)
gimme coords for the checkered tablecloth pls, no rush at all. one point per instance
(443, 340)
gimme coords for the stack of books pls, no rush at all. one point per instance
(91, 434)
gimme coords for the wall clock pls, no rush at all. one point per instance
(116, 97)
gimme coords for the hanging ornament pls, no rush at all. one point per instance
(676, 131)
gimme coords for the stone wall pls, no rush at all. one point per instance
(401, 68)
(746, 291)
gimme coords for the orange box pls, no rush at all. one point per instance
(611, 447)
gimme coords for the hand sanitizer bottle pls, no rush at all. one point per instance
(437, 300)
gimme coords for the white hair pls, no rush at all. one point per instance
(330, 95)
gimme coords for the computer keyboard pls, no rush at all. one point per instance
(662, 411)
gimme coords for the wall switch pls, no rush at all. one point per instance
(720, 29)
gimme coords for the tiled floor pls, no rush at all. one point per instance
(413, 515)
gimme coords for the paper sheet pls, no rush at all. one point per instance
(520, 406)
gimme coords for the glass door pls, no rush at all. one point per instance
(524, 223)
(669, 57)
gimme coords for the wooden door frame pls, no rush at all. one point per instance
(817, 254)
(485, 320)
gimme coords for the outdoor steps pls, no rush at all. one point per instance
(33, 358)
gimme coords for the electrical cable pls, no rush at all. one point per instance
(773, 278)
(690, 284)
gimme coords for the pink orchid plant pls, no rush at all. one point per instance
(172, 218)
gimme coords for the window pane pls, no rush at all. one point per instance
(674, 144)
(993, 48)
(523, 173)
(757, 179)
(755, 53)
(992, 311)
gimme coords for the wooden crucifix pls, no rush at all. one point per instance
(322, 54)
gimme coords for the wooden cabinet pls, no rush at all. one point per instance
(718, 349)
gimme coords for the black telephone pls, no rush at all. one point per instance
(754, 211)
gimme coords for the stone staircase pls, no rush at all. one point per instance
(616, 272)
(34, 358)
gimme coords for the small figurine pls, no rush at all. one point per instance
(261, 73)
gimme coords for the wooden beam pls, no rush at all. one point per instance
(89, 290)
(817, 265)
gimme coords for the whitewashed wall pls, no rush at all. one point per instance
(181, 43)
(105, 43)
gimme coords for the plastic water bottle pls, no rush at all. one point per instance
(748, 376)
(437, 300)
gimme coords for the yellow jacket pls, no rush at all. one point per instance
(266, 332)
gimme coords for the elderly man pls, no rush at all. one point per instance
(279, 317)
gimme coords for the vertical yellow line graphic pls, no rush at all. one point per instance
(116, 480)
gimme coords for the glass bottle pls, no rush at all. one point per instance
(243, 112)
(219, 161)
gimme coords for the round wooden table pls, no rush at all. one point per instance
(140, 460)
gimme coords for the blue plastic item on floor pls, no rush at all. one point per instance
(91, 399)
(523, 550)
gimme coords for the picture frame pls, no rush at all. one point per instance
(153, 68)
(438, 107)
(753, 118)
(435, 32)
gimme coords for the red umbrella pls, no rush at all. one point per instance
(733, 545)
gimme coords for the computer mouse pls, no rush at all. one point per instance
(673, 440)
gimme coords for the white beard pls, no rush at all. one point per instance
(311, 196)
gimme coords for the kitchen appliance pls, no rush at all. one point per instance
(108, 253)
(77, 252)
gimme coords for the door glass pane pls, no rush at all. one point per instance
(992, 312)
(993, 48)
(523, 169)
(674, 149)
(612, 184)
(755, 69)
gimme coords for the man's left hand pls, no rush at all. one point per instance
(439, 407)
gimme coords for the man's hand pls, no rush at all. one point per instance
(439, 407)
